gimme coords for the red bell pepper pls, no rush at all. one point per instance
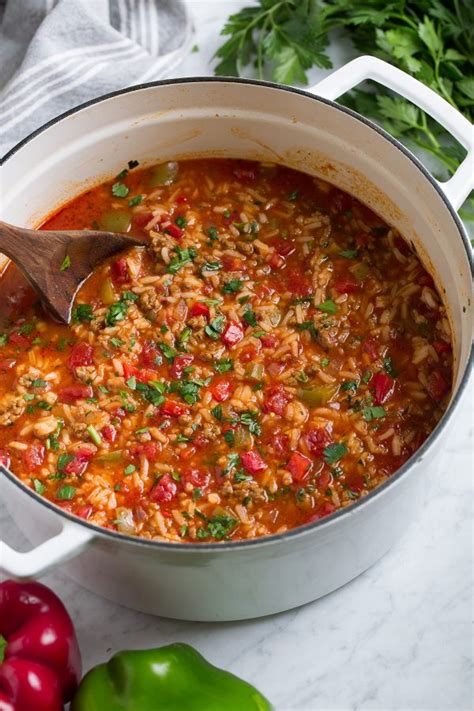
(40, 661)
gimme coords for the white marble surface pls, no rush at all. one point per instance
(396, 639)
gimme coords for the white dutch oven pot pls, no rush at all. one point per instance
(307, 131)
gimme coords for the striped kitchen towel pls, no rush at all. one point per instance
(55, 54)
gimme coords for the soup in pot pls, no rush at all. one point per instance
(274, 354)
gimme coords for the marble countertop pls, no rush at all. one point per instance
(397, 638)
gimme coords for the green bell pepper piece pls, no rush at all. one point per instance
(171, 678)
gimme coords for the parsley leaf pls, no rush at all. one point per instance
(334, 452)
(120, 190)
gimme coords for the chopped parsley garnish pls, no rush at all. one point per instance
(66, 493)
(218, 527)
(152, 391)
(65, 264)
(248, 419)
(3, 339)
(83, 313)
(293, 196)
(308, 326)
(188, 390)
(229, 437)
(217, 412)
(129, 469)
(120, 190)
(116, 342)
(373, 413)
(27, 328)
(232, 286)
(240, 475)
(180, 221)
(215, 327)
(349, 385)
(388, 367)
(349, 253)
(328, 307)
(184, 337)
(38, 383)
(38, 486)
(334, 452)
(116, 312)
(325, 362)
(223, 365)
(250, 317)
(212, 233)
(182, 438)
(183, 256)
(168, 352)
(123, 174)
(366, 376)
(136, 200)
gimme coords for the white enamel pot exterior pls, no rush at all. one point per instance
(234, 118)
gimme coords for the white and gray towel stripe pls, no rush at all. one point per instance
(55, 54)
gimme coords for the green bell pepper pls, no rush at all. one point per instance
(171, 678)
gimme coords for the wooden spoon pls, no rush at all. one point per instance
(56, 263)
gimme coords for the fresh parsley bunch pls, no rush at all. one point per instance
(433, 40)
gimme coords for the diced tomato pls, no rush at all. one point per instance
(200, 441)
(299, 466)
(197, 478)
(181, 200)
(33, 457)
(18, 340)
(81, 354)
(109, 433)
(276, 261)
(71, 393)
(79, 462)
(324, 480)
(280, 443)
(441, 347)
(232, 264)
(149, 450)
(143, 375)
(276, 399)
(119, 271)
(371, 347)
(5, 459)
(324, 510)
(7, 364)
(165, 490)
(150, 355)
(297, 282)
(252, 462)
(120, 413)
(179, 364)
(269, 340)
(174, 231)
(317, 438)
(233, 334)
(249, 353)
(437, 386)
(199, 309)
(382, 386)
(246, 174)
(220, 389)
(141, 219)
(283, 247)
(346, 284)
(84, 511)
(171, 408)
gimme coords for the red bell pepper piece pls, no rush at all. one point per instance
(317, 439)
(174, 231)
(298, 466)
(442, 347)
(78, 464)
(346, 284)
(269, 340)
(119, 271)
(40, 661)
(233, 334)
(382, 386)
(171, 408)
(199, 309)
(276, 399)
(252, 462)
(33, 456)
(179, 364)
(221, 389)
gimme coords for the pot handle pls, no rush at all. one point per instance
(69, 542)
(458, 187)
